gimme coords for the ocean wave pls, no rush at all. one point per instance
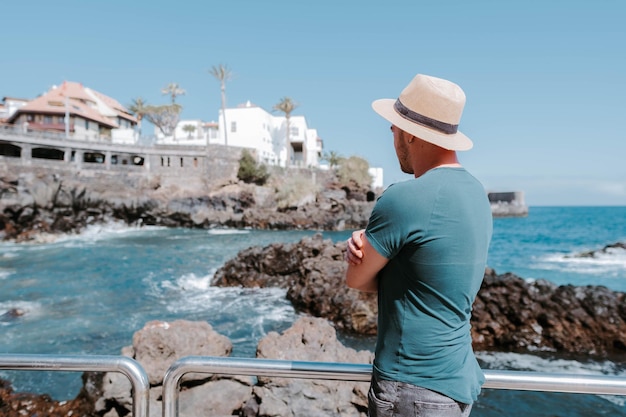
(227, 232)
(9, 250)
(193, 296)
(96, 233)
(4, 273)
(196, 292)
(611, 263)
(528, 362)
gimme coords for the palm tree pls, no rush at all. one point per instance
(189, 129)
(286, 105)
(139, 108)
(333, 158)
(173, 90)
(222, 73)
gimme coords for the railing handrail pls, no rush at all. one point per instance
(513, 380)
(95, 363)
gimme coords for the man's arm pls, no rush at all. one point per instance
(364, 263)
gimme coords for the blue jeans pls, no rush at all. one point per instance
(395, 399)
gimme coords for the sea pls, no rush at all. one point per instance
(89, 293)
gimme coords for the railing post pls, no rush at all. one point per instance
(88, 363)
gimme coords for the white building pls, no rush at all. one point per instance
(10, 105)
(377, 177)
(190, 132)
(249, 126)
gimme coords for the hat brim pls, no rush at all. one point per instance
(456, 142)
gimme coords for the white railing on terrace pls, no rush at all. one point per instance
(509, 380)
(149, 140)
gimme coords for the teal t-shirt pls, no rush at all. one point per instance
(435, 230)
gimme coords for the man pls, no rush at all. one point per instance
(424, 251)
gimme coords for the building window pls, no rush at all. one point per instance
(233, 127)
(47, 120)
(86, 124)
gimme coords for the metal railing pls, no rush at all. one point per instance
(96, 363)
(509, 380)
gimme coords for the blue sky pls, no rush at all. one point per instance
(545, 80)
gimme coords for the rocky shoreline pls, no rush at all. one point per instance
(510, 314)
(38, 204)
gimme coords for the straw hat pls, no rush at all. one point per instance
(429, 108)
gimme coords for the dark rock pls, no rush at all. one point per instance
(594, 253)
(14, 404)
(509, 313)
(312, 271)
(12, 314)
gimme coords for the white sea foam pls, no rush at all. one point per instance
(4, 273)
(527, 362)
(9, 250)
(190, 294)
(96, 233)
(227, 232)
(611, 263)
(192, 282)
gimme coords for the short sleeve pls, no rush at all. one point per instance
(386, 230)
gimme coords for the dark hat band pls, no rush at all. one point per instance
(408, 114)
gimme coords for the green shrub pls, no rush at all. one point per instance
(295, 190)
(250, 171)
(354, 170)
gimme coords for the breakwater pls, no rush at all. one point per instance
(508, 204)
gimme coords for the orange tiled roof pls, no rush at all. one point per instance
(79, 102)
(115, 105)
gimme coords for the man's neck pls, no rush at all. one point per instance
(439, 158)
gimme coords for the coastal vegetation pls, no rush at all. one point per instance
(250, 171)
(164, 117)
(287, 106)
(353, 170)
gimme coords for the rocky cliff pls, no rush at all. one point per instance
(37, 203)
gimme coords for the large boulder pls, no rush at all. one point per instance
(312, 270)
(156, 347)
(159, 344)
(315, 340)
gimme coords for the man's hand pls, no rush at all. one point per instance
(364, 263)
(354, 254)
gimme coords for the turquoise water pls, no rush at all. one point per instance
(88, 294)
